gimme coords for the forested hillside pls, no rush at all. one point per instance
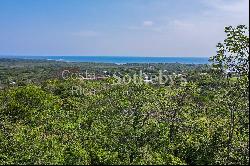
(202, 120)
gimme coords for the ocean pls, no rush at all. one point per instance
(117, 59)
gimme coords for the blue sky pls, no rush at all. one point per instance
(117, 27)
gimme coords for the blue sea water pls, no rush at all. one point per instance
(118, 59)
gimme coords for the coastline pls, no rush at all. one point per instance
(115, 59)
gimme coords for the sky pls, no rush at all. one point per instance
(185, 28)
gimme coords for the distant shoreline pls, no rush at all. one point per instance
(115, 59)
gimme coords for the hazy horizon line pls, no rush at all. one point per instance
(160, 56)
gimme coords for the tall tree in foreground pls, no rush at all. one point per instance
(233, 53)
(233, 57)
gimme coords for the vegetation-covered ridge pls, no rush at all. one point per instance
(204, 120)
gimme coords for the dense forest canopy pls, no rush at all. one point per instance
(202, 120)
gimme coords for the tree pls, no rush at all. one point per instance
(233, 54)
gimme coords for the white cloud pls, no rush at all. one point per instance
(232, 7)
(221, 13)
(148, 23)
(146, 26)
